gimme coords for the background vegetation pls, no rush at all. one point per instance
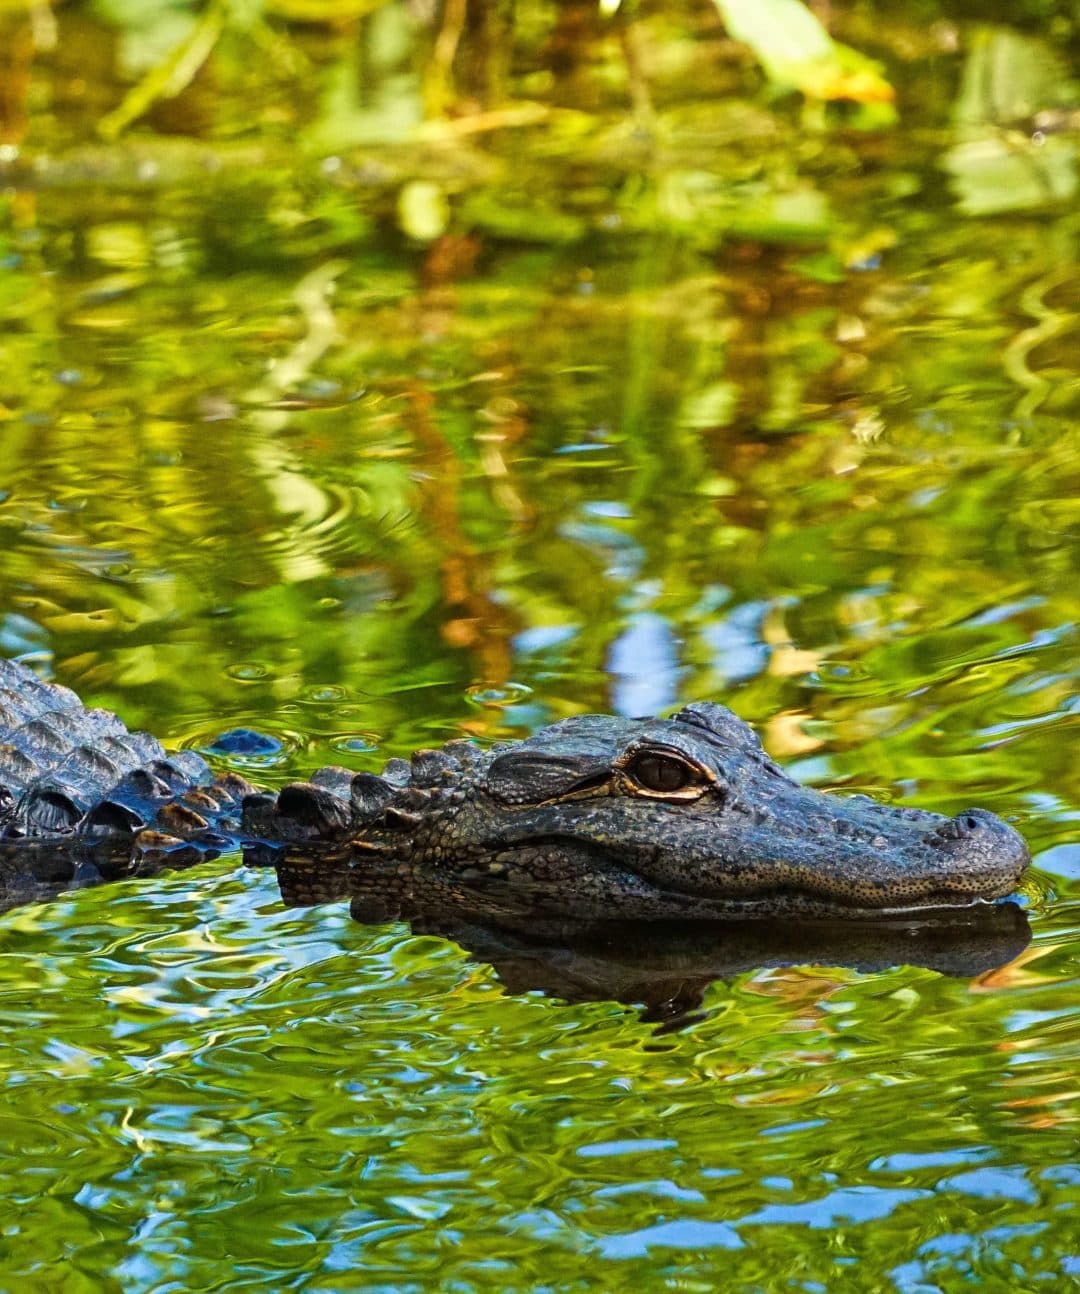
(374, 373)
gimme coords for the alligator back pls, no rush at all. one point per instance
(72, 773)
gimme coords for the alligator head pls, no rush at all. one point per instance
(597, 817)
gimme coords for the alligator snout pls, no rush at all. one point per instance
(913, 860)
(818, 855)
(982, 854)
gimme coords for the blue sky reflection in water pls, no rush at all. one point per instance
(364, 441)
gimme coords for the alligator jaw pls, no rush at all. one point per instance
(809, 908)
(858, 861)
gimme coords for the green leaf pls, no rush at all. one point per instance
(801, 215)
(994, 175)
(795, 50)
(518, 218)
(171, 73)
(1010, 79)
(714, 406)
(360, 107)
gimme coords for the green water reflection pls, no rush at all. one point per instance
(743, 405)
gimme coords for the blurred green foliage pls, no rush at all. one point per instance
(382, 373)
(460, 352)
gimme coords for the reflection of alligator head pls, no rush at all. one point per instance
(593, 818)
(667, 968)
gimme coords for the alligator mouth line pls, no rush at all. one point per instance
(792, 902)
(939, 906)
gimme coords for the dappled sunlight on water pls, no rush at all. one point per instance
(748, 408)
(300, 1093)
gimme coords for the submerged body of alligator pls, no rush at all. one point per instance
(594, 818)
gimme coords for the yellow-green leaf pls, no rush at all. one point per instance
(795, 50)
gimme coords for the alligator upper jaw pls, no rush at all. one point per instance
(912, 866)
(802, 855)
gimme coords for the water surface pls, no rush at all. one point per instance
(728, 403)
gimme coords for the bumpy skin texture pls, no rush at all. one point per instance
(83, 799)
(593, 818)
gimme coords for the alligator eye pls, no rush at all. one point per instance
(660, 772)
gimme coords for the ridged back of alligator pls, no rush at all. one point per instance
(72, 773)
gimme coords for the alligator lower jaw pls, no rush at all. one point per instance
(655, 905)
(936, 908)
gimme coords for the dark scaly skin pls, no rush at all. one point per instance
(594, 818)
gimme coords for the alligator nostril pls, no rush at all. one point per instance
(969, 820)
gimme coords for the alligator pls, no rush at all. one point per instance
(595, 818)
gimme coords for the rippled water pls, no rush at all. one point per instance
(266, 462)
